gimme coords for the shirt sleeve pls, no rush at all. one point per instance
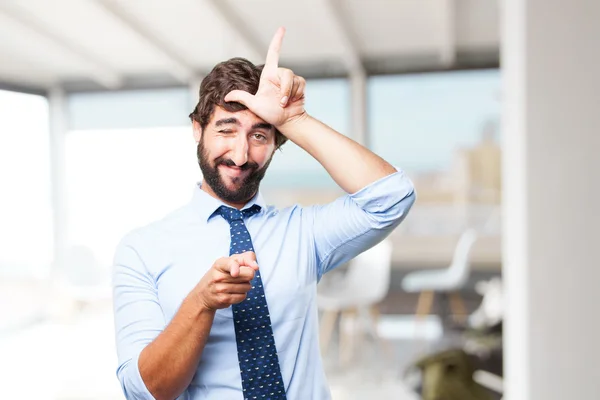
(353, 223)
(138, 315)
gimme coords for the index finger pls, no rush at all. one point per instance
(228, 265)
(247, 259)
(272, 62)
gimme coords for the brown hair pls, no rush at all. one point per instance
(234, 74)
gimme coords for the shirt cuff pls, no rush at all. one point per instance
(385, 192)
(133, 384)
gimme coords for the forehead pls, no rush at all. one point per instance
(245, 118)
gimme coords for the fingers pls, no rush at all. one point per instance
(240, 96)
(246, 274)
(230, 292)
(295, 85)
(247, 259)
(286, 82)
(241, 266)
(228, 266)
(231, 266)
(291, 86)
(228, 281)
(272, 61)
(237, 298)
(233, 288)
(298, 88)
(224, 300)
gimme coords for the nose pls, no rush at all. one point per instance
(239, 152)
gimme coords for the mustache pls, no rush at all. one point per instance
(229, 163)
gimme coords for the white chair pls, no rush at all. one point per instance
(449, 280)
(355, 297)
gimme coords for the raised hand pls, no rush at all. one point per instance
(280, 95)
(228, 281)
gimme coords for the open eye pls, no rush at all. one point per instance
(259, 136)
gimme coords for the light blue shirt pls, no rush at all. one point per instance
(156, 267)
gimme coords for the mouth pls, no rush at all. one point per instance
(234, 172)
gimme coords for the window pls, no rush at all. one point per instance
(26, 247)
(418, 121)
(121, 179)
(329, 101)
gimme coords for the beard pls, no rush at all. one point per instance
(247, 186)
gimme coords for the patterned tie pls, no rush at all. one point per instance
(259, 364)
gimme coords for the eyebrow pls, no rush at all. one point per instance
(227, 121)
(262, 125)
(235, 121)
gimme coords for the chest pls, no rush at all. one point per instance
(284, 253)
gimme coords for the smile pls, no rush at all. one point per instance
(233, 172)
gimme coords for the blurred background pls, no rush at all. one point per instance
(95, 141)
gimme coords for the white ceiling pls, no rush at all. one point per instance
(111, 44)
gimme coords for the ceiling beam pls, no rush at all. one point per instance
(238, 25)
(351, 56)
(98, 70)
(448, 33)
(180, 69)
(17, 87)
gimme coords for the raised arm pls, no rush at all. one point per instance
(379, 195)
(351, 165)
(280, 102)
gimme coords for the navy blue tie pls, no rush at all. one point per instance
(259, 364)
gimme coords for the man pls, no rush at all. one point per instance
(217, 300)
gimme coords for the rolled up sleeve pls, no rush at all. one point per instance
(138, 315)
(353, 223)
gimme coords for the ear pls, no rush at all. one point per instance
(197, 131)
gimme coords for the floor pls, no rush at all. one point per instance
(381, 370)
(65, 359)
(72, 357)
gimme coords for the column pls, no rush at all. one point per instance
(551, 173)
(58, 130)
(358, 88)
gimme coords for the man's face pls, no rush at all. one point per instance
(234, 152)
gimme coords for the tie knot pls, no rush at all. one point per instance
(231, 214)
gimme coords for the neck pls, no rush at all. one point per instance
(206, 188)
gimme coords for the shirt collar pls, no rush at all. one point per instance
(206, 205)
